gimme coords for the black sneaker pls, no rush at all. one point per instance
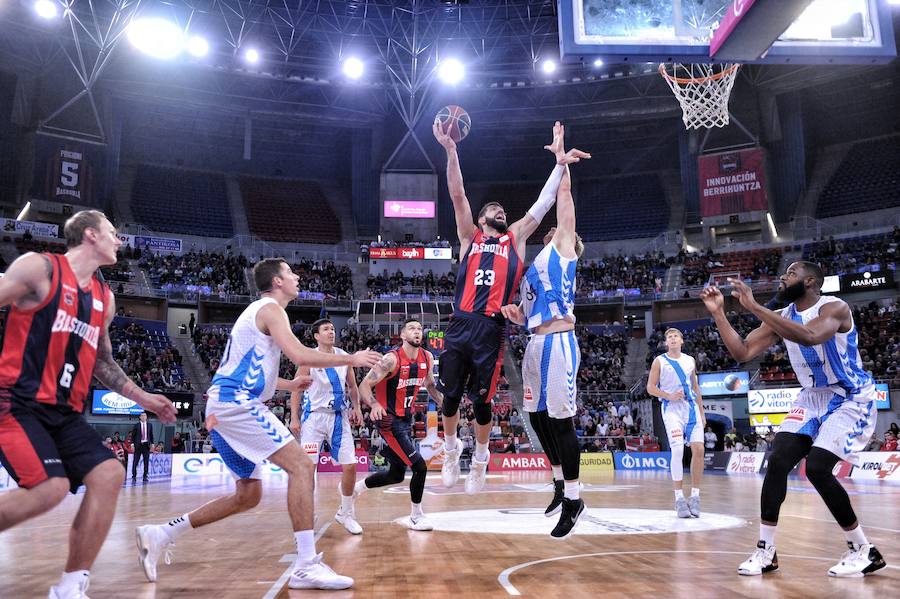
(571, 512)
(556, 503)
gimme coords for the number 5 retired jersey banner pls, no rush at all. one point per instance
(68, 172)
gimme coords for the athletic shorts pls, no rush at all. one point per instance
(683, 422)
(841, 425)
(550, 374)
(245, 433)
(399, 446)
(333, 427)
(472, 357)
(37, 443)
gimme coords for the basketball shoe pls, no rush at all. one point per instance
(858, 561)
(348, 519)
(420, 522)
(316, 575)
(693, 504)
(556, 502)
(764, 559)
(682, 509)
(571, 512)
(450, 468)
(477, 475)
(152, 541)
(77, 592)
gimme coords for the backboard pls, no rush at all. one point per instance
(623, 31)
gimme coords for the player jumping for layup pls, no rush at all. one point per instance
(397, 380)
(489, 271)
(552, 357)
(328, 412)
(832, 418)
(57, 335)
(673, 379)
(246, 433)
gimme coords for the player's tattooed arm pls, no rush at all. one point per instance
(378, 373)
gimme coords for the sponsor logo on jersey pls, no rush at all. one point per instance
(65, 323)
(528, 395)
(490, 248)
(796, 414)
(98, 305)
(410, 381)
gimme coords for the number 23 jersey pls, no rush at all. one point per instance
(488, 274)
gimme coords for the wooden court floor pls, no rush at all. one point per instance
(629, 545)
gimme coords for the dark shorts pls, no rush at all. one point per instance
(37, 443)
(472, 357)
(399, 448)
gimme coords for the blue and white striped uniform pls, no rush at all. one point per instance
(682, 416)
(836, 406)
(243, 430)
(326, 407)
(550, 364)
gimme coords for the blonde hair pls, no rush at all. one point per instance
(673, 330)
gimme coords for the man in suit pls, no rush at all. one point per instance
(142, 437)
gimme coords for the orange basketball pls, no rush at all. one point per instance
(454, 121)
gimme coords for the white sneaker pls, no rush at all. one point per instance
(450, 469)
(477, 476)
(76, 593)
(316, 575)
(152, 541)
(858, 561)
(419, 523)
(763, 560)
(348, 519)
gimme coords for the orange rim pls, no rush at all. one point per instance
(684, 81)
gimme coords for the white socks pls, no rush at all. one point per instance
(178, 526)
(679, 494)
(347, 503)
(767, 533)
(557, 472)
(306, 545)
(73, 580)
(481, 452)
(571, 489)
(695, 492)
(450, 441)
(416, 511)
(856, 536)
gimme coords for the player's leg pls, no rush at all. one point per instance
(559, 387)
(400, 439)
(539, 418)
(487, 360)
(693, 434)
(145, 454)
(454, 369)
(344, 451)
(30, 456)
(847, 426)
(674, 423)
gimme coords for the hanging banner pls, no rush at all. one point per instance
(67, 171)
(732, 182)
(408, 209)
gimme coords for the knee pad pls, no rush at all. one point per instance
(483, 414)
(451, 405)
(676, 462)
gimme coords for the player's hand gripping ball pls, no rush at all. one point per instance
(454, 121)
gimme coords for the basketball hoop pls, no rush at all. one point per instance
(702, 91)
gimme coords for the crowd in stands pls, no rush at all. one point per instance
(879, 339)
(149, 360)
(418, 283)
(751, 264)
(604, 425)
(704, 343)
(841, 256)
(326, 277)
(622, 272)
(200, 272)
(888, 442)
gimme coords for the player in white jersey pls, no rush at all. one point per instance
(552, 357)
(831, 419)
(330, 408)
(673, 379)
(246, 433)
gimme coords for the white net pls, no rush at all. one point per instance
(702, 90)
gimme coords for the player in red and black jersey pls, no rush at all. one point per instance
(56, 338)
(397, 380)
(491, 264)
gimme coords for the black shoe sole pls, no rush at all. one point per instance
(574, 524)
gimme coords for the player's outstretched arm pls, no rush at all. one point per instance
(465, 225)
(114, 378)
(26, 279)
(740, 349)
(272, 319)
(379, 372)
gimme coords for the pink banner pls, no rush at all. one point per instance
(397, 253)
(326, 465)
(729, 23)
(732, 182)
(506, 462)
(408, 209)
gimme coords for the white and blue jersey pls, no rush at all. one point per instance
(242, 428)
(325, 414)
(836, 407)
(548, 288)
(681, 417)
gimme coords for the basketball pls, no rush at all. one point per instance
(454, 121)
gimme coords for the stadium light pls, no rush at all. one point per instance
(251, 55)
(598, 62)
(548, 66)
(451, 71)
(353, 68)
(46, 9)
(156, 37)
(197, 46)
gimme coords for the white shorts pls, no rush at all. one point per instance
(245, 433)
(683, 422)
(333, 427)
(841, 425)
(550, 374)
